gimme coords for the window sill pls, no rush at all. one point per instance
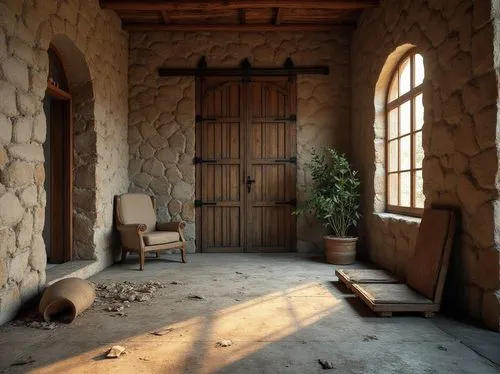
(398, 217)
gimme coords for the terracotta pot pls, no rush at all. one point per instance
(340, 251)
(65, 299)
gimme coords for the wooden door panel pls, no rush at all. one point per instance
(272, 150)
(220, 174)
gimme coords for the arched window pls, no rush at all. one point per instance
(404, 152)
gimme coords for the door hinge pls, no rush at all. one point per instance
(199, 160)
(291, 160)
(199, 119)
(289, 202)
(290, 118)
(200, 203)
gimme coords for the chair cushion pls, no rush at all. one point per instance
(161, 237)
(137, 208)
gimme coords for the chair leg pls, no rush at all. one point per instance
(157, 254)
(183, 254)
(124, 255)
(142, 255)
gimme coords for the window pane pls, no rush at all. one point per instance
(404, 77)
(393, 123)
(419, 150)
(419, 191)
(393, 189)
(405, 151)
(405, 189)
(405, 118)
(393, 156)
(393, 91)
(419, 69)
(419, 112)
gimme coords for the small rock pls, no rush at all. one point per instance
(442, 348)
(326, 365)
(176, 282)
(224, 343)
(142, 298)
(195, 297)
(115, 308)
(162, 332)
(368, 338)
(238, 272)
(115, 351)
(144, 358)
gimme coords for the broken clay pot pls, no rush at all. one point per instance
(66, 299)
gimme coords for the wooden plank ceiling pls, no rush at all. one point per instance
(237, 15)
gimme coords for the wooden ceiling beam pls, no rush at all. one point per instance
(236, 28)
(206, 5)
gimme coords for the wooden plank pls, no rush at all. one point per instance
(208, 5)
(429, 260)
(367, 276)
(254, 27)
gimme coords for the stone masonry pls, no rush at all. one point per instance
(95, 53)
(162, 113)
(461, 136)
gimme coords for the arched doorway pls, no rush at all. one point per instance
(70, 155)
(58, 150)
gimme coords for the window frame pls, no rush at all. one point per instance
(410, 97)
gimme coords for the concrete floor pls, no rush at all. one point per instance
(283, 313)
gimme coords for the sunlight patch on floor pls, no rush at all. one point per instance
(251, 325)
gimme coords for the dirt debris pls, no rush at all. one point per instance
(326, 365)
(442, 348)
(35, 324)
(114, 297)
(162, 331)
(196, 297)
(23, 361)
(369, 338)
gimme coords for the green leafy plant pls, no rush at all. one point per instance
(334, 196)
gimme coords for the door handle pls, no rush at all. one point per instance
(250, 181)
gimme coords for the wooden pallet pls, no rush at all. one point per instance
(425, 273)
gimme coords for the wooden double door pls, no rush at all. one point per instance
(246, 164)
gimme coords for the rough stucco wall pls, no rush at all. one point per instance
(460, 140)
(162, 113)
(26, 29)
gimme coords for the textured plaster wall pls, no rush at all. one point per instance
(162, 112)
(95, 54)
(456, 39)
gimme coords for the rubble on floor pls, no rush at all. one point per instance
(115, 297)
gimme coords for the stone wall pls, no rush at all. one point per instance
(460, 136)
(95, 55)
(162, 113)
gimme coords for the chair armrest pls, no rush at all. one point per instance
(171, 226)
(131, 235)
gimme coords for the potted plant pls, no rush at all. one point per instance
(334, 200)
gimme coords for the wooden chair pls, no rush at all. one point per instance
(385, 293)
(139, 230)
